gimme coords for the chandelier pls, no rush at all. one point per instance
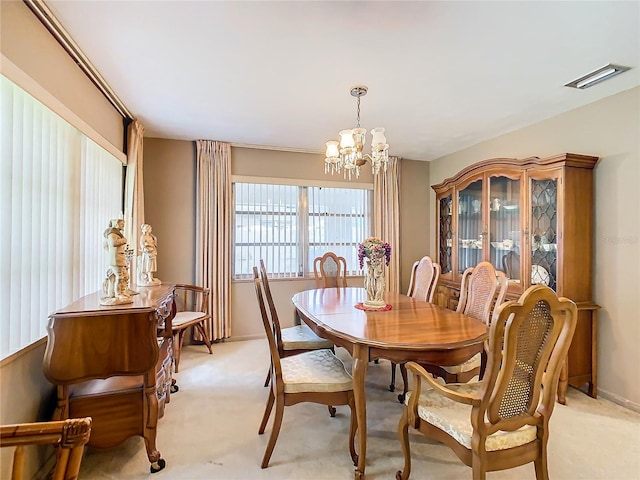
(347, 156)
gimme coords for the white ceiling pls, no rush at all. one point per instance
(442, 76)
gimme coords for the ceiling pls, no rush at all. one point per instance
(442, 76)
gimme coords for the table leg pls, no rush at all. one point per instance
(360, 363)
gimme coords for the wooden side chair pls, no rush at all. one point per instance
(511, 265)
(482, 289)
(316, 376)
(68, 436)
(425, 274)
(330, 270)
(502, 421)
(290, 340)
(192, 310)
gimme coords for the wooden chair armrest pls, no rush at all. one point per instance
(419, 373)
(193, 288)
(68, 433)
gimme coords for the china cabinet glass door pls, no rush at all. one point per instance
(543, 231)
(505, 232)
(469, 226)
(445, 229)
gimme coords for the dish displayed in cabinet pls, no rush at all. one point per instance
(540, 275)
(471, 243)
(547, 247)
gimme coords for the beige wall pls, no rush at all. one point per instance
(610, 129)
(169, 176)
(415, 205)
(170, 209)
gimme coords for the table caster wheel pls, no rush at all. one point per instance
(174, 388)
(157, 466)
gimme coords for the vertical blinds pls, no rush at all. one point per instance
(58, 191)
(289, 225)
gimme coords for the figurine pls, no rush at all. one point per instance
(148, 263)
(116, 283)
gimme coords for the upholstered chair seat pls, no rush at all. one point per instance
(455, 418)
(301, 337)
(315, 371)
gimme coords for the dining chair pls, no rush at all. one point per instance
(316, 376)
(67, 436)
(330, 270)
(192, 310)
(482, 289)
(425, 274)
(289, 340)
(511, 265)
(501, 421)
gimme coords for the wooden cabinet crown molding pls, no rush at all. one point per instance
(506, 164)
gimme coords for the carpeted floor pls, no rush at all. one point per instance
(210, 432)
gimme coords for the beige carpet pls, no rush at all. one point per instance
(210, 432)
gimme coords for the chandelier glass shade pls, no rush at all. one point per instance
(347, 155)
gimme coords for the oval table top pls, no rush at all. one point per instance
(410, 324)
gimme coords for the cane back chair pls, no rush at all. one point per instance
(501, 421)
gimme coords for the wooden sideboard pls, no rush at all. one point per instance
(113, 363)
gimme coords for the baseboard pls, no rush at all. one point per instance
(244, 337)
(617, 399)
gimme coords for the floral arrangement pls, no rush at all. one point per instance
(374, 248)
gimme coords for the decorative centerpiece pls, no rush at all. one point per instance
(377, 254)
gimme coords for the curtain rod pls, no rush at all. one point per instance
(52, 24)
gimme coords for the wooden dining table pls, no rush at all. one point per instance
(410, 330)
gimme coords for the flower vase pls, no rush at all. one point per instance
(374, 283)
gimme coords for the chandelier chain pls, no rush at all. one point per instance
(358, 119)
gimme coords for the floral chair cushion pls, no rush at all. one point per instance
(454, 418)
(301, 337)
(315, 371)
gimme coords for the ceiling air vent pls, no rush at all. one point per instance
(597, 76)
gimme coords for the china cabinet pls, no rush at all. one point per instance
(532, 219)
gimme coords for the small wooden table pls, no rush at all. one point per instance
(411, 330)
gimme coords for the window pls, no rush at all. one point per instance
(58, 190)
(288, 226)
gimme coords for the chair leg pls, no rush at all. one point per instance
(268, 379)
(392, 385)
(479, 472)
(178, 348)
(403, 436)
(267, 413)
(405, 383)
(275, 430)
(540, 463)
(205, 337)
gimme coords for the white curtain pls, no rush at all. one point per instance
(213, 232)
(134, 192)
(386, 217)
